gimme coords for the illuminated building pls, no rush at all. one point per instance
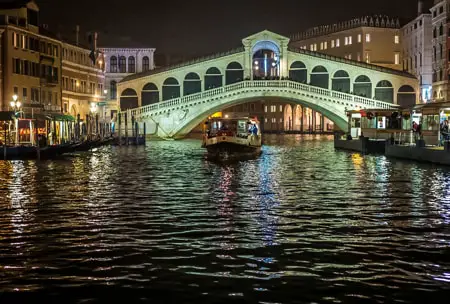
(417, 50)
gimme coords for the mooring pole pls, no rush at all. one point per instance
(126, 128)
(120, 128)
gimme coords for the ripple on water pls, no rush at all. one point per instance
(302, 223)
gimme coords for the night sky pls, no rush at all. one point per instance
(199, 27)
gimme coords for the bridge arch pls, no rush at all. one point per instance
(362, 86)
(266, 45)
(406, 96)
(320, 77)
(341, 81)
(213, 78)
(192, 84)
(298, 72)
(234, 73)
(170, 89)
(150, 94)
(191, 118)
(384, 91)
(128, 99)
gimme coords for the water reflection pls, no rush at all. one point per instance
(302, 222)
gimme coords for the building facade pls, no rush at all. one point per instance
(418, 51)
(440, 50)
(374, 40)
(31, 67)
(83, 81)
(120, 63)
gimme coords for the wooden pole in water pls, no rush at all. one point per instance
(4, 142)
(136, 132)
(144, 132)
(120, 128)
(126, 128)
(38, 148)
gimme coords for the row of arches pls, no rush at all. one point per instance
(119, 64)
(319, 77)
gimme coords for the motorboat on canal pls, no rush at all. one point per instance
(232, 138)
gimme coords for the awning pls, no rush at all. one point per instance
(61, 117)
(6, 115)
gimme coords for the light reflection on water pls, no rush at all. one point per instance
(301, 223)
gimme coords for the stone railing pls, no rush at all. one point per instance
(315, 92)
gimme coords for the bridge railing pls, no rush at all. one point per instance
(367, 102)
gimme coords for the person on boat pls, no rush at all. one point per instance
(444, 131)
(254, 129)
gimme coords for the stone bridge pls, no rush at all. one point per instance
(173, 100)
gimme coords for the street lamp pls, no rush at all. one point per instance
(105, 91)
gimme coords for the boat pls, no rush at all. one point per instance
(232, 138)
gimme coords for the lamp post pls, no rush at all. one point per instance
(15, 105)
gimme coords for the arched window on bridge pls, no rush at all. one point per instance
(384, 91)
(362, 86)
(145, 64)
(298, 72)
(341, 82)
(128, 99)
(113, 64)
(406, 96)
(192, 84)
(170, 89)
(320, 77)
(234, 73)
(150, 94)
(213, 78)
(131, 64)
(122, 64)
(113, 89)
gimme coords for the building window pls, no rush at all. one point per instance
(131, 64)
(441, 9)
(350, 40)
(321, 45)
(25, 94)
(265, 109)
(24, 42)
(358, 56)
(281, 108)
(315, 47)
(332, 43)
(397, 58)
(346, 41)
(113, 64)
(281, 120)
(338, 42)
(265, 120)
(312, 47)
(113, 89)
(145, 64)
(349, 56)
(359, 38)
(367, 57)
(274, 120)
(15, 40)
(122, 64)
(441, 51)
(367, 37)
(325, 45)
(441, 30)
(273, 109)
(396, 39)
(434, 33)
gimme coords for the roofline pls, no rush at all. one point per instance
(352, 62)
(183, 64)
(110, 49)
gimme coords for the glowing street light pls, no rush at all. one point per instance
(93, 107)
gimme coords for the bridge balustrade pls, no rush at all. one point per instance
(366, 102)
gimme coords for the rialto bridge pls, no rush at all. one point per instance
(173, 100)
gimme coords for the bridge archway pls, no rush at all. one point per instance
(298, 72)
(266, 59)
(406, 96)
(195, 117)
(170, 89)
(362, 86)
(234, 73)
(320, 77)
(150, 94)
(213, 78)
(192, 84)
(128, 99)
(341, 82)
(384, 91)
(288, 118)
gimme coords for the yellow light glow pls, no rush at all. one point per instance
(217, 115)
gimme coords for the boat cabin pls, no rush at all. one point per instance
(431, 116)
(379, 123)
(238, 127)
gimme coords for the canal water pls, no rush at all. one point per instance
(301, 224)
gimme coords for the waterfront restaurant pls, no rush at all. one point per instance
(381, 124)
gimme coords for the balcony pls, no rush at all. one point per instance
(49, 81)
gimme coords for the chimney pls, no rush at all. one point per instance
(77, 35)
(95, 40)
(420, 8)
